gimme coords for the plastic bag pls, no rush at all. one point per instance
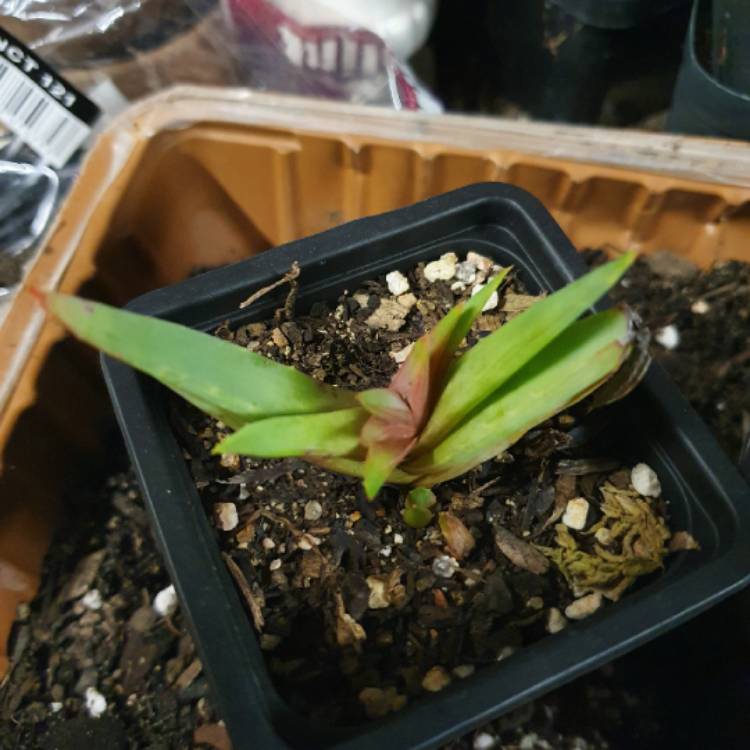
(116, 51)
(128, 48)
(29, 192)
(112, 51)
(342, 49)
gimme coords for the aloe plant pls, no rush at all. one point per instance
(442, 413)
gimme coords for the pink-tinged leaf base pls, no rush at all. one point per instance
(420, 378)
(400, 411)
(389, 434)
(382, 459)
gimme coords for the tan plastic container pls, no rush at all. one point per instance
(195, 178)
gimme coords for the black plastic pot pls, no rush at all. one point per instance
(707, 496)
(712, 96)
(616, 14)
(585, 61)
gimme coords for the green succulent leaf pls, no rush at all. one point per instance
(333, 433)
(385, 403)
(563, 373)
(387, 442)
(221, 378)
(468, 312)
(439, 417)
(492, 361)
(419, 379)
(390, 434)
(355, 466)
(416, 512)
(382, 459)
(630, 373)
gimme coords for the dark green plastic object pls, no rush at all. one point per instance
(712, 95)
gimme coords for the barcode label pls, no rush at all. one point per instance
(40, 106)
(36, 117)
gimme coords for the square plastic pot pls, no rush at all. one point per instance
(703, 104)
(706, 494)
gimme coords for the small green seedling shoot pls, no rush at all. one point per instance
(417, 511)
(440, 416)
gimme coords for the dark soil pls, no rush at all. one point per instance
(143, 665)
(312, 551)
(66, 641)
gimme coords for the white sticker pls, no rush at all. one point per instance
(53, 131)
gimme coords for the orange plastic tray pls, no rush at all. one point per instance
(200, 177)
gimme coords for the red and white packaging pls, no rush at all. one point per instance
(354, 50)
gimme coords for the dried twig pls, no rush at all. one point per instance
(250, 598)
(483, 487)
(732, 287)
(287, 312)
(285, 522)
(722, 369)
(289, 277)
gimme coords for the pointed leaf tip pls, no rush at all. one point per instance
(219, 377)
(39, 296)
(334, 433)
(567, 370)
(470, 381)
(421, 376)
(382, 459)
